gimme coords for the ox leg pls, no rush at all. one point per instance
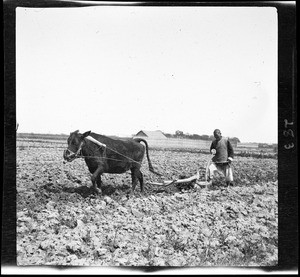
(137, 175)
(134, 178)
(99, 181)
(95, 178)
(141, 180)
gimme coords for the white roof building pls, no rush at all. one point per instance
(151, 134)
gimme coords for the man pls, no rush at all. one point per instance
(222, 152)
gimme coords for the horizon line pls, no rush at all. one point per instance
(122, 135)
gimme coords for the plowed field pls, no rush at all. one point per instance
(61, 222)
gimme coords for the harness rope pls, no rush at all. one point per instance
(78, 153)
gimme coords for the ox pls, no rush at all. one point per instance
(106, 155)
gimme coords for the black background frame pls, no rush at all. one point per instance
(287, 112)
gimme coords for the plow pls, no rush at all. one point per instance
(195, 179)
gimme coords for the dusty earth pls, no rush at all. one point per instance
(61, 222)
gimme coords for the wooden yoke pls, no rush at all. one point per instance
(96, 141)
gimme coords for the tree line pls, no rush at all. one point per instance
(180, 134)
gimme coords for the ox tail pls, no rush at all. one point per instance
(147, 153)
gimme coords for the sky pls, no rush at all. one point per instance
(116, 70)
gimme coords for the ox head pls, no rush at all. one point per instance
(75, 142)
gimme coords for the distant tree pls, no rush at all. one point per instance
(195, 136)
(204, 137)
(235, 140)
(179, 134)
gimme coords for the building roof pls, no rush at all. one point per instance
(151, 134)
